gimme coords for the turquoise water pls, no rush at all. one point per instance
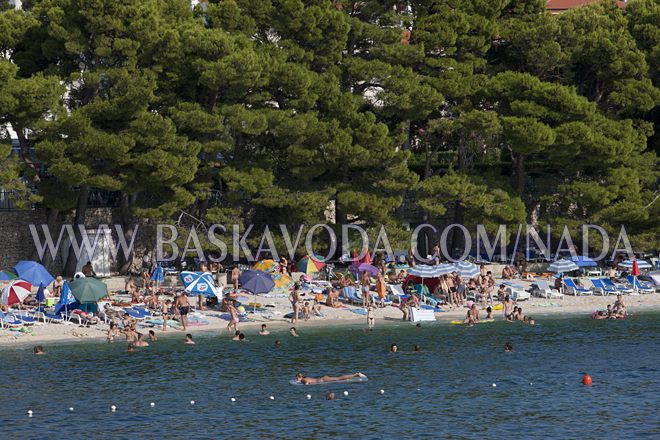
(443, 392)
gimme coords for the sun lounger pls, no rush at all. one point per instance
(420, 315)
(48, 317)
(516, 291)
(641, 287)
(620, 287)
(544, 290)
(136, 314)
(397, 292)
(574, 289)
(26, 320)
(8, 320)
(350, 294)
(599, 287)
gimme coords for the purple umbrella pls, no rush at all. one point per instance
(364, 267)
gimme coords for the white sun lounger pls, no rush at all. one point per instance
(544, 290)
(516, 291)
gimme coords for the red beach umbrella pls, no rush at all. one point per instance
(16, 292)
(635, 269)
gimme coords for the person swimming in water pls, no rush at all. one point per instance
(293, 332)
(301, 378)
(189, 339)
(508, 348)
(263, 331)
(38, 350)
(278, 343)
(394, 348)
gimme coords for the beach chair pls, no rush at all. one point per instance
(641, 287)
(8, 320)
(516, 291)
(24, 319)
(137, 314)
(349, 293)
(574, 289)
(599, 287)
(397, 292)
(48, 317)
(544, 290)
(619, 287)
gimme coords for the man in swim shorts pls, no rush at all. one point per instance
(184, 307)
(326, 379)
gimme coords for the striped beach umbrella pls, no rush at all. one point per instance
(563, 265)
(15, 293)
(426, 271)
(268, 266)
(467, 269)
(309, 265)
(641, 264)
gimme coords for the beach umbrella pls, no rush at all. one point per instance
(33, 272)
(88, 290)
(466, 269)
(256, 281)
(7, 276)
(583, 261)
(15, 293)
(641, 264)
(67, 300)
(199, 283)
(267, 265)
(364, 267)
(309, 265)
(426, 271)
(563, 265)
(367, 258)
(282, 281)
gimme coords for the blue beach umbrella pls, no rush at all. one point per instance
(33, 272)
(256, 281)
(41, 295)
(583, 261)
(158, 274)
(466, 269)
(426, 271)
(7, 276)
(199, 283)
(563, 265)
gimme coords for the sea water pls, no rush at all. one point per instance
(461, 385)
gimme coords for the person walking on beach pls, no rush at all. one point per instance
(235, 273)
(233, 316)
(294, 297)
(365, 281)
(380, 289)
(182, 304)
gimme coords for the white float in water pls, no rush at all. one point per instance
(345, 393)
(192, 402)
(233, 399)
(29, 413)
(272, 398)
(71, 409)
(309, 396)
(494, 385)
(382, 391)
(152, 404)
(113, 408)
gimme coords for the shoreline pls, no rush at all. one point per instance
(389, 316)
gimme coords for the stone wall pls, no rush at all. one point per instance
(16, 241)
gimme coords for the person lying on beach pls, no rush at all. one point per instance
(140, 342)
(293, 332)
(326, 379)
(263, 331)
(189, 339)
(38, 350)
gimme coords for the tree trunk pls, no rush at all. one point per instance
(79, 219)
(124, 263)
(24, 145)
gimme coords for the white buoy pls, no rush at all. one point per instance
(152, 404)
(71, 409)
(345, 393)
(233, 399)
(192, 402)
(494, 385)
(113, 408)
(29, 413)
(272, 398)
(309, 396)
(382, 391)
(419, 389)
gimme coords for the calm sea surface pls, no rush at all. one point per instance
(446, 391)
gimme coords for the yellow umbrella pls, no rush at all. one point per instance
(282, 281)
(268, 266)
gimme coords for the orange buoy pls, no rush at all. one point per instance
(586, 380)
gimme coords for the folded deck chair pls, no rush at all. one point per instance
(619, 287)
(544, 290)
(641, 287)
(599, 287)
(574, 289)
